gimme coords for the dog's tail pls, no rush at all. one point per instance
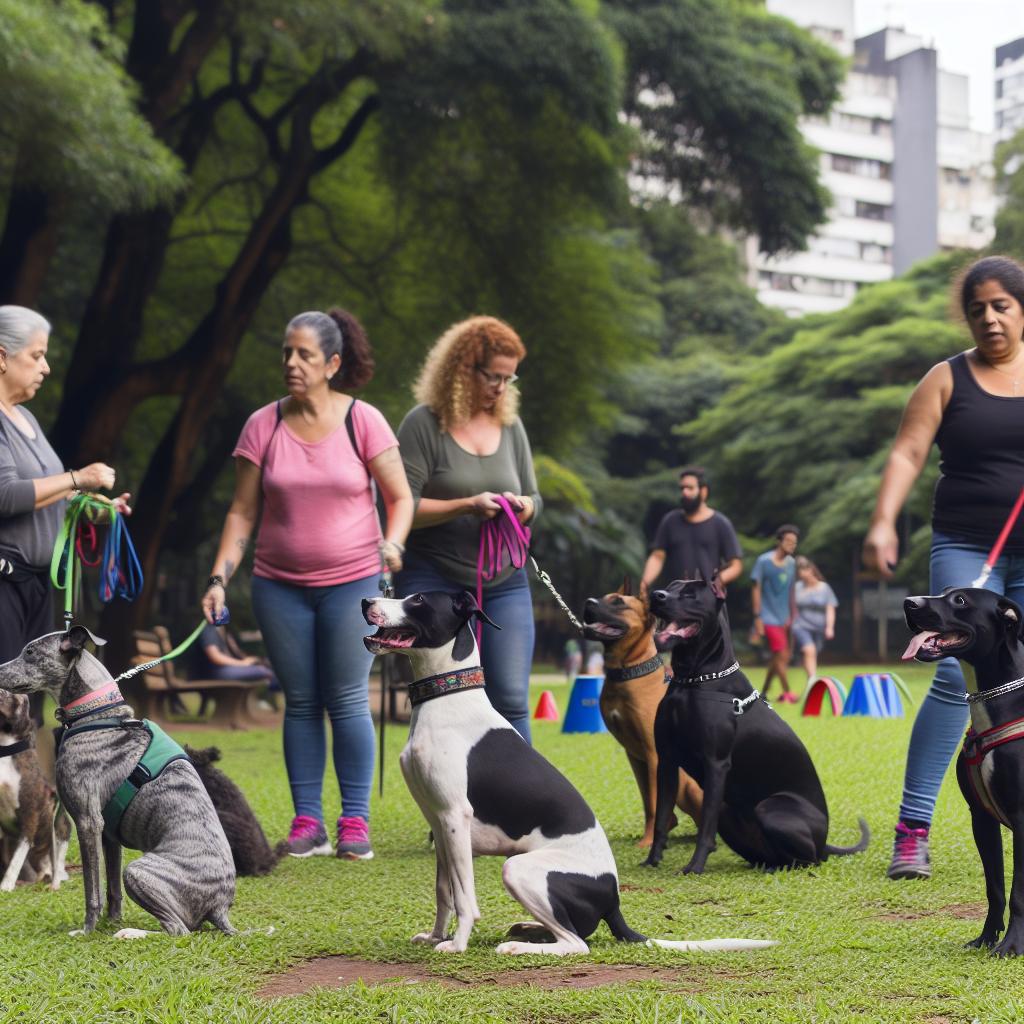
(859, 847)
(617, 924)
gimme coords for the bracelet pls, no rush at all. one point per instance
(74, 482)
(216, 581)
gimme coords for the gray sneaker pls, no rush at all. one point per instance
(910, 853)
(308, 838)
(354, 839)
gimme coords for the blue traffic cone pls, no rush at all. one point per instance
(864, 698)
(890, 696)
(584, 711)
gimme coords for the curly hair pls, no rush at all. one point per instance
(446, 384)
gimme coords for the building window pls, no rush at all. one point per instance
(862, 167)
(806, 285)
(872, 211)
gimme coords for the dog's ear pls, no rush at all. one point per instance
(626, 590)
(717, 588)
(465, 605)
(1013, 618)
(74, 640)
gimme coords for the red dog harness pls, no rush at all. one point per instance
(977, 747)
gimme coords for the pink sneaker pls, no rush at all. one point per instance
(308, 838)
(910, 857)
(354, 839)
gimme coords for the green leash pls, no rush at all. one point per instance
(183, 646)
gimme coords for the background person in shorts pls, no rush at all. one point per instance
(774, 601)
(815, 620)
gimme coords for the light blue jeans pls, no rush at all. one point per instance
(942, 718)
(506, 654)
(314, 639)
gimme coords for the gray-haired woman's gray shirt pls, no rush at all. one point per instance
(27, 535)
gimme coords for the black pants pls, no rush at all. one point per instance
(26, 612)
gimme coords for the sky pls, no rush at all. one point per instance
(965, 33)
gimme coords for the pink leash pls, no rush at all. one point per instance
(501, 536)
(997, 548)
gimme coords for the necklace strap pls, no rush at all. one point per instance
(734, 667)
(644, 668)
(445, 683)
(996, 691)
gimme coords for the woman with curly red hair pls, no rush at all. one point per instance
(463, 446)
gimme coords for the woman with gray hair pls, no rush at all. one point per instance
(33, 484)
(305, 467)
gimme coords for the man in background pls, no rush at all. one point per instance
(774, 600)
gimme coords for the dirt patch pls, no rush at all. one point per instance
(639, 888)
(339, 971)
(962, 911)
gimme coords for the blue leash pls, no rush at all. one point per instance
(121, 573)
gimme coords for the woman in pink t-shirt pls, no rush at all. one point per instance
(304, 467)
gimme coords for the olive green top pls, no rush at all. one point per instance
(438, 467)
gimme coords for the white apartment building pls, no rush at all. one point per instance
(1009, 75)
(906, 173)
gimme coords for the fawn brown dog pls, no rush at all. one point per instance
(634, 685)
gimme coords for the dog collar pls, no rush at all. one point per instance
(444, 683)
(645, 668)
(15, 748)
(996, 691)
(106, 697)
(734, 667)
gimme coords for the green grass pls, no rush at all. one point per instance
(852, 945)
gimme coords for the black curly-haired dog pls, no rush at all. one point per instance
(252, 853)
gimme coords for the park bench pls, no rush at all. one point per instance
(230, 697)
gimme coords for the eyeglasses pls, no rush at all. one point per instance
(494, 379)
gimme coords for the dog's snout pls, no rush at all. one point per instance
(912, 603)
(659, 596)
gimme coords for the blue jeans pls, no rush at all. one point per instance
(506, 654)
(942, 718)
(314, 639)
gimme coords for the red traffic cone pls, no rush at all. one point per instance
(547, 709)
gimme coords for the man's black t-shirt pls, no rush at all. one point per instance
(706, 546)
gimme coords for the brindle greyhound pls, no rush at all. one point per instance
(761, 792)
(985, 632)
(185, 876)
(634, 684)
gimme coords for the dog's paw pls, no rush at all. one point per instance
(693, 869)
(77, 931)
(427, 938)
(6, 886)
(452, 946)
(132, 933)
(515, 948)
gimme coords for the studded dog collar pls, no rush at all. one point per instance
(622, 675)
(734, 667)
(445, 683)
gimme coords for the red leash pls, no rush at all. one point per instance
(500, 537)
(997, 548)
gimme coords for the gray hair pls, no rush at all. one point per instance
(326, 328)
(17, 325)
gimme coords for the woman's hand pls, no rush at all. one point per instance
(213, 603)
(522, 505)
(485, 505)
(830, 633)
(881, 549)
(121, 506)
(391, 553)
(94, 477)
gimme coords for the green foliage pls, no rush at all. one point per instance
(1009, 163)
(715, 89)
(67, 107)
(802, 435)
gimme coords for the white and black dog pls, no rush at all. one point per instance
(483, 790)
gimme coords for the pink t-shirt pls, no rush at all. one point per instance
(319, 525)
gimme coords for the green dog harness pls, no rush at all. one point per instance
(160, 752)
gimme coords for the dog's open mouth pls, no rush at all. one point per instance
(930, 645)
(389, 638)
(676, 631)
(603, 630)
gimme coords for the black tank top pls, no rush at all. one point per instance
(981, 441)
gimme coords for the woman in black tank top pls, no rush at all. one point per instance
(972, 407)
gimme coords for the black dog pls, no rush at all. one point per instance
(984, 630)
(761, 792)
(252, 854)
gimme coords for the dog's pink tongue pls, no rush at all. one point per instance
(915, 643)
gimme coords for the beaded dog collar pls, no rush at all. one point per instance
(444, 683)
(107, 696)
